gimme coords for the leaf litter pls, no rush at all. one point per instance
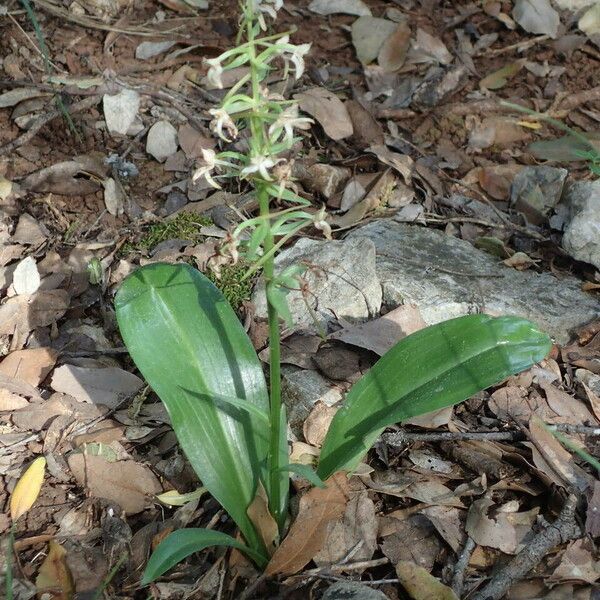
(405, 100)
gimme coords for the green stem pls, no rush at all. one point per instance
(258, 147)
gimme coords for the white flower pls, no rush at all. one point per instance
(260, 165)
(262, 7)
(321, 224)
(211, 163)
(286, 121)
(214, 72)
(297, 57)
(222, 121)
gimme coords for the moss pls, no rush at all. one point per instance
(235, 290)
(185, 226)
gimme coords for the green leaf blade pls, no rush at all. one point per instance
(433, 368)
(182, 543)
(190, 347)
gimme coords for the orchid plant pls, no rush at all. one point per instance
(193, 351)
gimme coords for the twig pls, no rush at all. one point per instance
(84, 104)
(357, 566)
(561, 531)
(518, 46)
(461, 565)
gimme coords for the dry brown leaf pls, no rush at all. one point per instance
(496, 180)
(433, 419)
(566, 406)
(306, 536)
(328, 110)
(498, 529)
(317, 423)
(263, 520)
(11, 401)
(31, 365)
(449, 524)
(578, 563)
(550, 457)
(16, 386)
(401, 163)
(367, 130)
(420, 584)
(54, 579)
(379, 335)
(358, 525)
(392, 53)
(304, 454)
(131, 485)
(98, 386)
(592, 518)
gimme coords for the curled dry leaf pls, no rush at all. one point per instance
(328, 110)
(54, 578)
(263, 520)
(420, 584)
(306, 536)
(131, 485)
(317, 423)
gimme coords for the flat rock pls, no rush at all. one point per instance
(301, 389)
(537, 190)
(349, 590)
(341, 282)
(581, 211)
(162, 140)
(447, 277)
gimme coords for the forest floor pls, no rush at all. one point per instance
(454, 505)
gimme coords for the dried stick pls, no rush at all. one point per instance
(562, 530)
(458, 579)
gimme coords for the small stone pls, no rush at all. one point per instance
(325, 179)
(349, 590)
(447, 277)
(537, 190)
(581, 210)
(175, 201)
(301, 389)
(162, 140)
(340, 278)
(120, 110)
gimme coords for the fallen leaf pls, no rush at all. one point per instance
(328, 110)
(358, 525)
(146, 50)
(379, 335)
(537, 16)
(420, 584)
(10, 401)
(317, 423)
(28, 488)
(578, 563)
(368, 36)
(120, 110)
(499, 78)
(428, 48)
(392, 53)
(131, 485)
(346, 7)
(306, 536)
(263, 520)
(552, 459)
(367, 130)
(448, 523)
(29, 231)
(30, 365)
(26, 277)
(14, 97)
(114, 197)
(54, 580)
(590, 21)
(107, 386)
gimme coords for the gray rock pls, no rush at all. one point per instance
(341, 278)
(349, 590)
(301, 389)
(592, 380)
(581, 210)
(162, 140)
(439, 273)
(537, 190)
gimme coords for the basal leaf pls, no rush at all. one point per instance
(183, 542)
(193, 351)
(435, 367)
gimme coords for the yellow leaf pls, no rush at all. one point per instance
(420, 585)
(530, 124)
(28, 488)
(174, 498)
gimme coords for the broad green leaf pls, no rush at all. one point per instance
(193, 351)
(435, 367)
(183, 542)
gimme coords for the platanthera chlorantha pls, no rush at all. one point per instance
(191, 348)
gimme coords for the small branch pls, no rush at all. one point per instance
(401, 438)
(564, 529)
(461, 565)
